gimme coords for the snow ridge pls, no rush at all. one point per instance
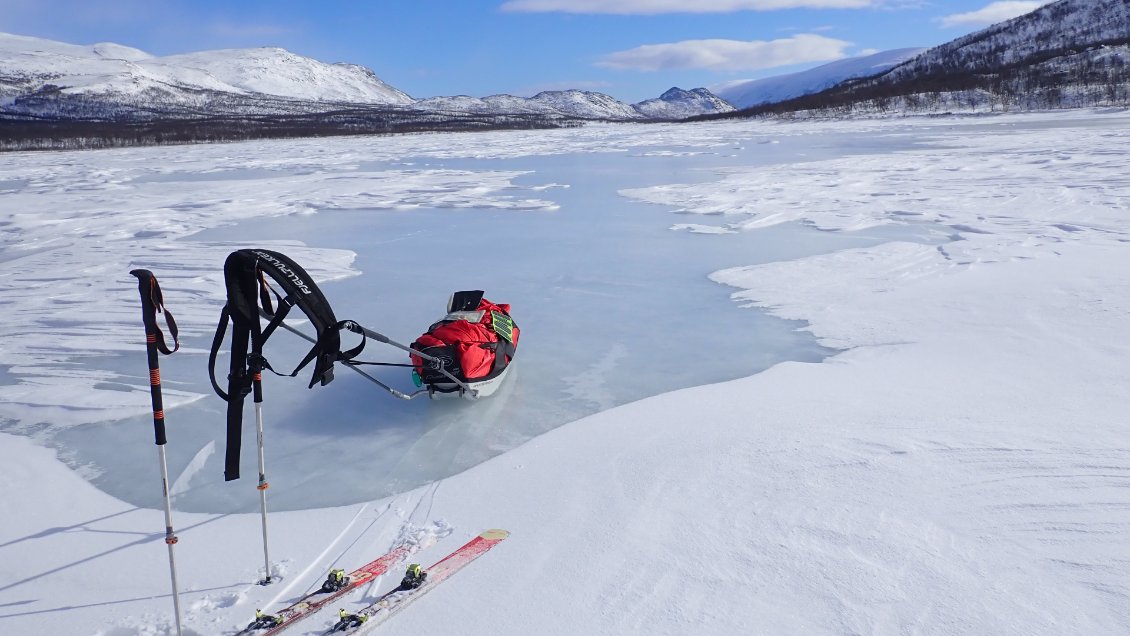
(747, 93)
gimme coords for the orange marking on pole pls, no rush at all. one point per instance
(159, 415)
(154, 376)
(263, 486)
(258, 377)
(150, 337)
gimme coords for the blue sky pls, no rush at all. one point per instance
(630, 49)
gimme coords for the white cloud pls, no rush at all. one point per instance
(654, 7)
(728, 55)
(993, 13)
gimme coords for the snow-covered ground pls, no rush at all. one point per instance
(963, 466)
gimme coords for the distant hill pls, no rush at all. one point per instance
(746, 93)
(46, 79)
(37, 67)
(1071, 53)
(676, 103)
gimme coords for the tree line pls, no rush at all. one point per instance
(1059, 78)
(67, 133)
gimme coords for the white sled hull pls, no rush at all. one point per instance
(482, 389)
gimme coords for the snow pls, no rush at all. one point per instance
(960, 467)
(677, 103)
(19, 45)
(1071, 25)
(114, 69)
(747, 93)
(274, 71)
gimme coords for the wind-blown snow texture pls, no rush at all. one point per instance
(962, 467)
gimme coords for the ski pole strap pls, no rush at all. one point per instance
(153, 303)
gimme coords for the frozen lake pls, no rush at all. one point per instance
(962, 465)
(614, 306)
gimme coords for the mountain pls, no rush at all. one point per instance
(572, 103)
(278, 72)
(1054, 33)
(41, 78)
(677, 103)
(585, 104)
(1071, 53)
(746, 93)
(34, 66)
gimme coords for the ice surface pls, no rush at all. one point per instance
(960, 468)
(613, 305)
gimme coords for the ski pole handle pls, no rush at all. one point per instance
(152, 303)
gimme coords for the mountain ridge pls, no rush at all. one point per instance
(747, 93)
(1066, 54)
(39, 74)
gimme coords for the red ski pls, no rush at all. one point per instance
(334, 588)
(417, 583)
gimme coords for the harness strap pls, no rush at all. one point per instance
(217, 340)
(249, 295)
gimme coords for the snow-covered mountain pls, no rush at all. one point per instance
(40, 77)
(278, 72)
(677, 103)
(36, 66)
(571, 103)
(1061, 29)
(1071, 53)
(746, 93)
(586, 104)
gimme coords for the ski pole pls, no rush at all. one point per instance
(257, 384)
(153, 303)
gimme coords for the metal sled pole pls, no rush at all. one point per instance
(152, 302)
(356, 328)
(380, 338)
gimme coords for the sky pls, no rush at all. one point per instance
(629, 49)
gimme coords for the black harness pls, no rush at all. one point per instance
(249, 297)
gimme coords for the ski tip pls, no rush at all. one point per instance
(495, 534)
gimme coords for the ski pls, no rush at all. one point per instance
(416, 583)
(337, 584)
